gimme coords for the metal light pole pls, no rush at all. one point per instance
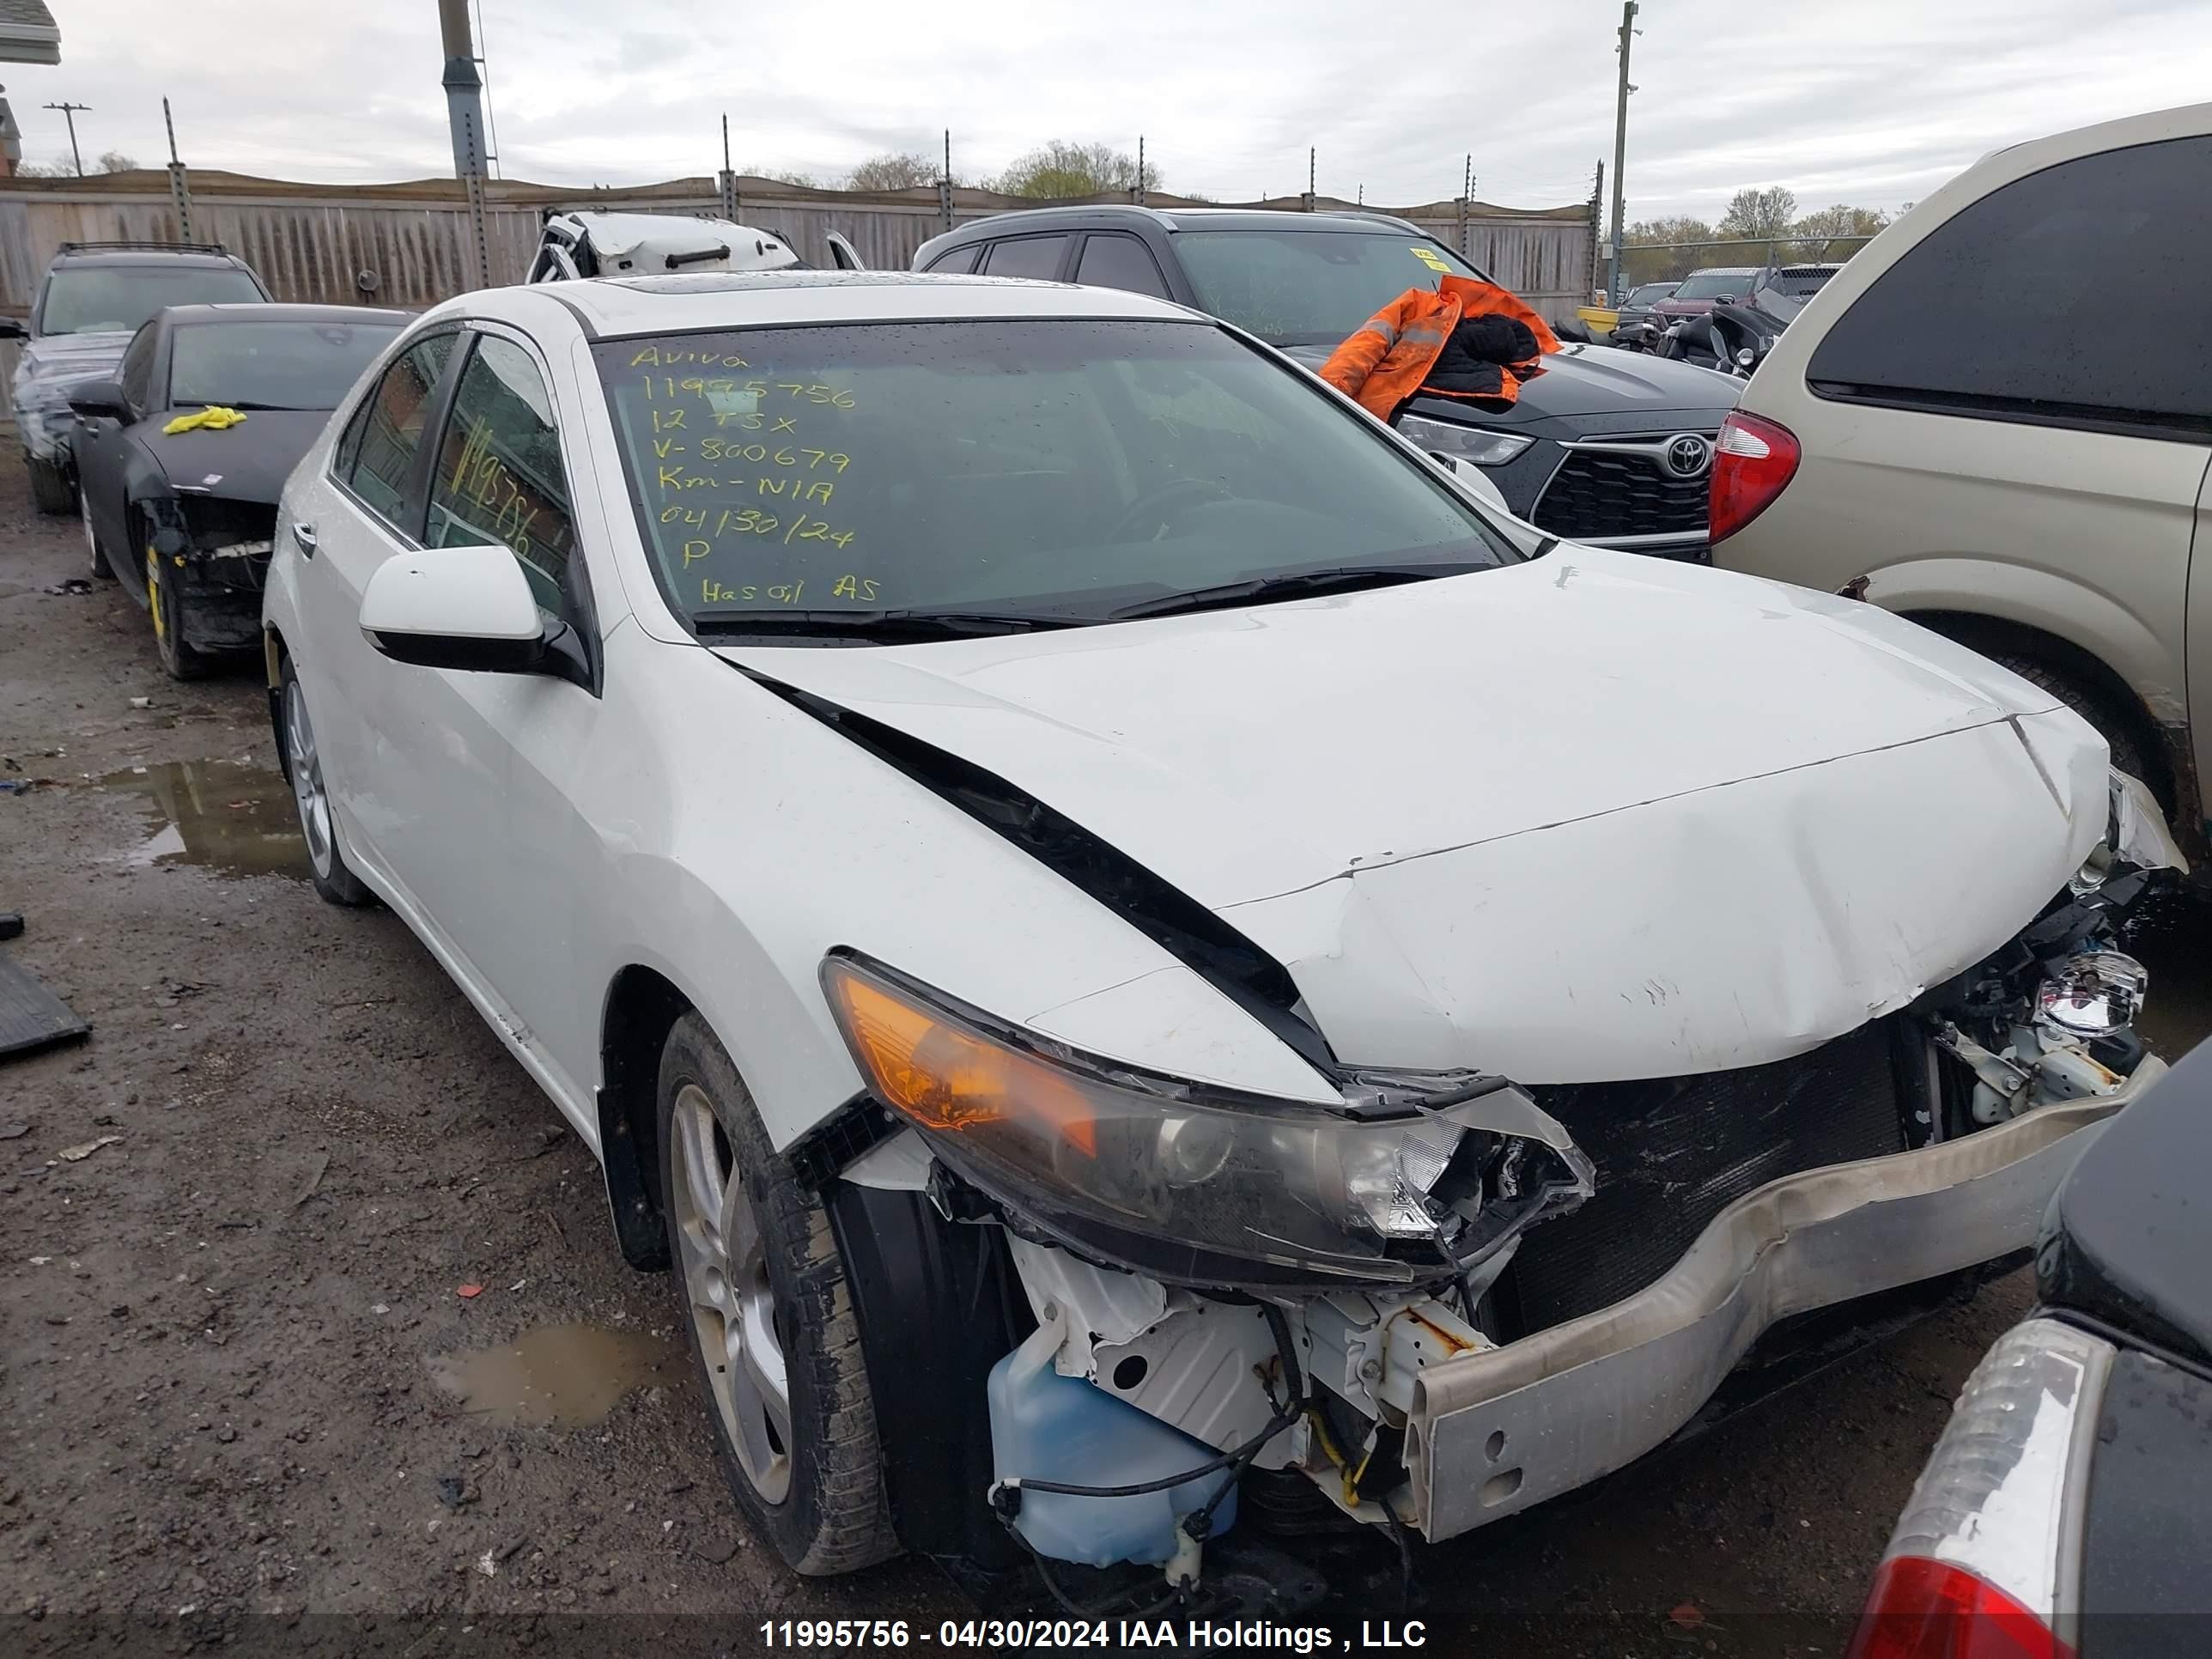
(1619, 151)
(68, 113)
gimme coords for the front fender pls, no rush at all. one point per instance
(2045, 602)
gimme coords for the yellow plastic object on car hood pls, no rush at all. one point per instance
(214, 419)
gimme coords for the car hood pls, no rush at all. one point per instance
(248, 462)
(1589, 380)
(1589, 817)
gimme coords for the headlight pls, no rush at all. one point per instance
(1195, 1183)
(1470, 443)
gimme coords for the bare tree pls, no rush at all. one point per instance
(1755, 214)
(894, 170)
(115, 160)
(1060, 169)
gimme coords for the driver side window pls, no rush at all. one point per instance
(136, 374)
(499, 476)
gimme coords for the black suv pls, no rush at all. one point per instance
(90, 302)
(1605, 446)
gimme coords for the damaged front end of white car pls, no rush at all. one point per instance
(1104, 1307)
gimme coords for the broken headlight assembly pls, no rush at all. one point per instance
(1417, 1177)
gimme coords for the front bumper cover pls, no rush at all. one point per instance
(1496, 1430)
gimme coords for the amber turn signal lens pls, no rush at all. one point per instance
(945, 1076)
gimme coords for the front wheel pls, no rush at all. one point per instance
(165, 600)
(318, 824)
(52, 490)
(770, 1318)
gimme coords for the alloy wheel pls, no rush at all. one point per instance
(307, 791)
(724, 1268)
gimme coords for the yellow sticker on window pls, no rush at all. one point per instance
(1428, 256)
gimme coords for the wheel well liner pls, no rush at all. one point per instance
(642, 1007)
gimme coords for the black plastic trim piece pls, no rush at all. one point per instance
(937, 1306)
(2019, 411)
(857, 1127)
(640, 1229)
(1163, 913)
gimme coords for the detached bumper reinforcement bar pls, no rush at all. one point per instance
(1494, 1431)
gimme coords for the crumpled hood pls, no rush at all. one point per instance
(46, 371)
(1589, 817)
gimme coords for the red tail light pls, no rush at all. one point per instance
(1924, 1609)
(1752, 461)
(1984, 1562)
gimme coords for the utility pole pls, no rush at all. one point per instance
(464, 89)
(1310, 163)
(1628, 32)
(180, 190)
(70, 114)
(1137, 190)
(945, 183)
(729, 180)
(1466, 206)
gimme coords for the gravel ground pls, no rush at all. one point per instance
(232, 1331)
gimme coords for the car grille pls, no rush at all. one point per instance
(1599, 495)
(1672, 1153)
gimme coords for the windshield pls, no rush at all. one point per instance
(100, 298)
(1650, 293)
(297, 365)
(1050, 468)
(1713, 284)
(1294, 287)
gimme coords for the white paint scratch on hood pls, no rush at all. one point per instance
(1593, 817)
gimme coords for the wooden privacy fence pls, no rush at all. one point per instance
(410, 245)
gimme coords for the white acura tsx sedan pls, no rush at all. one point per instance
(1137, 948)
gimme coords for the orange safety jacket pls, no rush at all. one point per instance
(1385, 362)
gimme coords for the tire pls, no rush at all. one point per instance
(100, 568)
(52, 490)
(318, 823)
(166, 605)
(763, 1292)
(2118, 729)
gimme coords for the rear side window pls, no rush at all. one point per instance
(376, 456)
(958, 262)
(1026, 256)
(2074, 296)
(1119, 261)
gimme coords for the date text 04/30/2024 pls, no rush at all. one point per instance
(1108, 1635)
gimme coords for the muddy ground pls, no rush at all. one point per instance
(246, 1387)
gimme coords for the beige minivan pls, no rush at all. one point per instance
(1996, 420)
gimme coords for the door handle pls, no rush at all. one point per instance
(304, 536)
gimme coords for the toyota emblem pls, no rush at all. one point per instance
(1689, 455)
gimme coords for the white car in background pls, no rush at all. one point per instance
(603, 244)
(1134, 944)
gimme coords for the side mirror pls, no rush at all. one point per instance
(99, 400)
(467, 608)
(14, 328)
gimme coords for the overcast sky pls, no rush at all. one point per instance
(1873, 103)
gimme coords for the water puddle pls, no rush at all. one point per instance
(559, 1376)
(221, 816)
